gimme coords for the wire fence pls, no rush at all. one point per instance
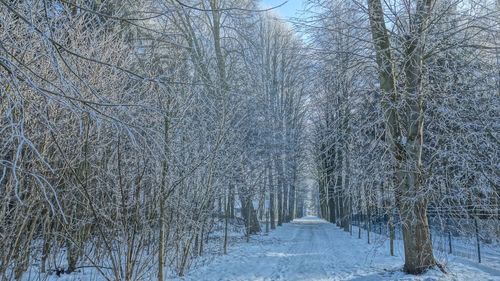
(472, 234)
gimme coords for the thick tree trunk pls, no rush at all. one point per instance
(416, 238)
(324, 192)
(262, 200)
(323, 202)
(346, 220)
(340, 203)
(405, 148)
(250, 216)
(331, 206)
(323, 196)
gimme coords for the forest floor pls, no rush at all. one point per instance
(313, 249)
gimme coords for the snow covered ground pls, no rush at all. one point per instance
(308, 249)
(312, 249)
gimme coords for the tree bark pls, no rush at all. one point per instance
(250, 215)
(407, 148)
(292, 203)
(271, 197)
(279, 168)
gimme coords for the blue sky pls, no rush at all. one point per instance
(288, 10)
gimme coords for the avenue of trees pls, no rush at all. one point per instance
(406, 117)
(130, 131)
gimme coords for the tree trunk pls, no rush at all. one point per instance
(271, 197)
(416, 238)
(279, 168)
(292, 203)
(405, 148)
(392, 233)
(285, 203)
(331, 193)
(231, 201)
(163, 186)
(331, 205)
(323, 198)
(250, 216)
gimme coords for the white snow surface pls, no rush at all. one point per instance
(309, 249)
(313, 249)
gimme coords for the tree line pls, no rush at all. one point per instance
(407, 117)
(131, 131)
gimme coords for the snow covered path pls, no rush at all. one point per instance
(312, 249)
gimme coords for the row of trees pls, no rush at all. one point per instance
(407, 116)
(130, 130)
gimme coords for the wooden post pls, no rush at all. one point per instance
(477, 240)
(226, 218)
(360, 217)
(449, 236)
(392, 233)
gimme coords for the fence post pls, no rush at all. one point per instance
(477, 240)
(392, 234)
(449, 235)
